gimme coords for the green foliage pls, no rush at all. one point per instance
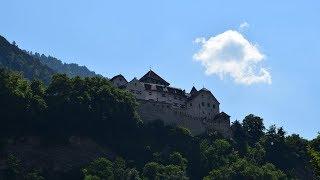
(36, 66)
(177, 159)
(256, 154)
(13, 58)
(172, 167)
(34, 175)
(243, 169)
(253, 126)
(101, 168)
(315, 143)
(315, 160)
(91, 177)
(154, 170)
(240, 137)
(72, 69)
(92, 107)
(14, 168)
(215, 154)
(274, 143)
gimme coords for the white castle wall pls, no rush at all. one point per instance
(198, 114)
(137, 88)
(203, 105)
(170, 115)
(151, 110)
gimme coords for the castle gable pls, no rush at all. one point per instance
(118, 81)
(153, 78)
(193, 90)
(201, 92)
(136, 88)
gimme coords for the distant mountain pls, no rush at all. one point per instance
(36, 66)
(58, 66)
(13, 58)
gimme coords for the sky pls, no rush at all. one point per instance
(256, 57)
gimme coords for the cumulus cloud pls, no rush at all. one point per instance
(230, 54)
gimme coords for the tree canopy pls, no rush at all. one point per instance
(93, 108)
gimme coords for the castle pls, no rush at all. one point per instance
(197, 111)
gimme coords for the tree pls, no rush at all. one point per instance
(253, 126)
(119, 168)
(240, 137)
(243, 169)
(315, 143)
(101, 168)
(177, 159)
(215, 154)
(153, 170)
(315, 160)
(256, 154)
(34, 175)
(274, 144)
(14, 168)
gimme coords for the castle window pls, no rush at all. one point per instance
(213, 106)
(150, 93)
(202, 103)
(208, 104)
(190, 104)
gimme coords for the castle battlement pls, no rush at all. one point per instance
(197, 110)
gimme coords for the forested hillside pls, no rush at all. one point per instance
(13, 58)
(91, 108)
(36, 66)
(72, 69)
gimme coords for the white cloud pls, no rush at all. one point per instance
(230, 54)
(244, 26)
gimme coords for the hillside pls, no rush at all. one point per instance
(13, 58)
(88, 129)
(36, 66)
(71, 69)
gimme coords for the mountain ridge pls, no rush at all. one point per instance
(36, 66)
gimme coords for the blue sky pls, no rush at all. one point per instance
(128, 37)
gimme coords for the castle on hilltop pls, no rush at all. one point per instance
(197, 110)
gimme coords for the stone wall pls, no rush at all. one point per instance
(203, 105)
(150, 110)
